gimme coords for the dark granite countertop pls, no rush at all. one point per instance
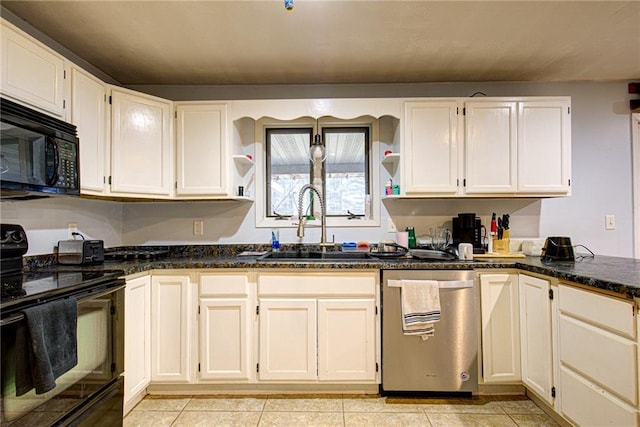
(619, 275)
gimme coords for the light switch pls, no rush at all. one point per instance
(609, 222)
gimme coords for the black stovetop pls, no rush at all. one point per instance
(26, 288)
(146, 254)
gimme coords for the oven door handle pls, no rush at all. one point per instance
(11, 319)
(100, 292)
(95, 294)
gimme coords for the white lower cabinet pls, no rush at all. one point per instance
(288, 335)
(346, 339)
(225, 326)
(172, 323)
(598, 357)
(137, 340)
(500, 316)
(536, 352)
(318, 326)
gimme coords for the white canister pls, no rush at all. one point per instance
(465, 251)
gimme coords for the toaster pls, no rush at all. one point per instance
(77, 252)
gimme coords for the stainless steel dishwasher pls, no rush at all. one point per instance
(446, 363)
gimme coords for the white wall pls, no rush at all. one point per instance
(602, 181)
(46, 220)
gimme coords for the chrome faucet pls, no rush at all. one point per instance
(323, 213)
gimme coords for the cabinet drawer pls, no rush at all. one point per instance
(585, 404)
(317, 284)
(600, 310)
(224, 284)
(601, 356)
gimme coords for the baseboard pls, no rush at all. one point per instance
(259, 389)
(502, 389)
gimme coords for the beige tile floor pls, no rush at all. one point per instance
(341, 410)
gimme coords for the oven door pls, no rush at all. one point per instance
(100, 361)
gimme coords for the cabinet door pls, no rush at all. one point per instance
(170, 328)
(544, 147)
(500, 327)
(287, 339)
(224, 338)
(137, 340)
(31, 73)
(346, 340)
(141, 157)
(535, 336)
(88, 113)
(201, 137)
(490, 147)
(430, 148)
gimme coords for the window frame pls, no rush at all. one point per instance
(267, 187)
(374, 155)
(367, 161)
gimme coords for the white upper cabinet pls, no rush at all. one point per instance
(141, 145)
(201, 141)
(430, 148)
(89, 114)
(490, 147)
(486, 147)
(31, 73)
(544, 146)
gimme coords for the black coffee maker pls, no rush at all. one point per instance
(467, 228)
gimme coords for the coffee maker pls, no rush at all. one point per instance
(466, 228)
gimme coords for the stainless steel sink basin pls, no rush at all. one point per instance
(314, 256)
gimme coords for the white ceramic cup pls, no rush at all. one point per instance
(465, 251)
(402, 238)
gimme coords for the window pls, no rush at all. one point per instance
(288, 168)
(346, 170)
(344, 176)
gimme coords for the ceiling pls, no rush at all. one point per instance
(333, 42)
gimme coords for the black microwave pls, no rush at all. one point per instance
(38, 153)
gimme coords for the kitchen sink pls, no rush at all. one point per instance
(315, 256)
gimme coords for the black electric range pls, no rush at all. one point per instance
(24, 289)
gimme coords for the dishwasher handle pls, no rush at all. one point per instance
(442, 284)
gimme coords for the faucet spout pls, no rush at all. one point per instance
(323, 238)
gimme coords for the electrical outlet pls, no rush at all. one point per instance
(391, 226)
(609, 222)
(198, 227)
(72, 227)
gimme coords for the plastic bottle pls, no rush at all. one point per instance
(412, 237)
(388, 188)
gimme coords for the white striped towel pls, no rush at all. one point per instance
(420, 300)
